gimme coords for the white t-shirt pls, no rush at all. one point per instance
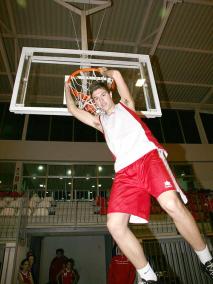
(126, 137)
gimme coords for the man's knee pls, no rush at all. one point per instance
(172, 205)
(116, 227)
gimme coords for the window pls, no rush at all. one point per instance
(66, 182)
(154, 124)
(11, 124)
(61, 128)
(83, 133)
(189, 127)
(7, 171)
(185, 176)
(207, 120)
(171, 127)
(38, 128)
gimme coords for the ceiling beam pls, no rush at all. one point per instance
(190, 84)
(12, 23)
(111, 42)
(93, 2)
(6, 62)
(143, 25)
(2, 24)
(68, 6)
(207, 96)
(199, 2)
(187, 106)
(162, 27)
(175, 83)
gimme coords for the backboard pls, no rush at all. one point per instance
(39, 84)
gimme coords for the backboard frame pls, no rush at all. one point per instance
(123, 60)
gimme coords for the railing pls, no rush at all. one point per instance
(31, 211)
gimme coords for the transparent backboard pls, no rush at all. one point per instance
(39, 84)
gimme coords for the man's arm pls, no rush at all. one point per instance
(123, 90)
(80, 114)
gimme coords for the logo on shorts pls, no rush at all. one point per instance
(167, 184)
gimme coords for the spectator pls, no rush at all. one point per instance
(57, 264)
(24, 275)
(31, 260)
(121, 269)
(68, 275)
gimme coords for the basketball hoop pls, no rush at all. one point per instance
(80, 82)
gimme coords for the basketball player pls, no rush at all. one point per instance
(140, 172)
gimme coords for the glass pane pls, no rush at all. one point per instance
(84, 184)
(85, 170)
(189, 126)
(155, 127)
(83, 195)
(183, 170)
(59, 184)
(2, 108)
(171, 127)
(61, 195)
(7, 171)
(83, 132)
(105, 183)
(38, 128)
(207, 120)
(100, 137)
(187, 183)
(60, 170)
(34, 170)
(12, 125)
(105, 170)
(34, 184)
(61, 128)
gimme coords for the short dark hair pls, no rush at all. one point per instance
(98, 85)
(23, 262)
(60, 250)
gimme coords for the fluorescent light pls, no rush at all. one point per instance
(140, 82)
(40, 168)
(69, 172)
(100, 168)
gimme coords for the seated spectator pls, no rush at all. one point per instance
(24, 275)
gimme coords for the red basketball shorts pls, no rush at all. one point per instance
(134, 185)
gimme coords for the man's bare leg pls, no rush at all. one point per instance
(188, 228)
(117, 224)
(182, 218)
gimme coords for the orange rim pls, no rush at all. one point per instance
(89, 69)
(74, 74)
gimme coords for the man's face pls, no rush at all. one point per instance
(103, 99)
(59, 254)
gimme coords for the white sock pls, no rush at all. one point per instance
(204, 255)
(147, 273)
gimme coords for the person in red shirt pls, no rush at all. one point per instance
(121, 270)
(57, 264)
(68, 275)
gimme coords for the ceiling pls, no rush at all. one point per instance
(177, 34)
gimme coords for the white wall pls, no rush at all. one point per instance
(88, 253)
(196, 154)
